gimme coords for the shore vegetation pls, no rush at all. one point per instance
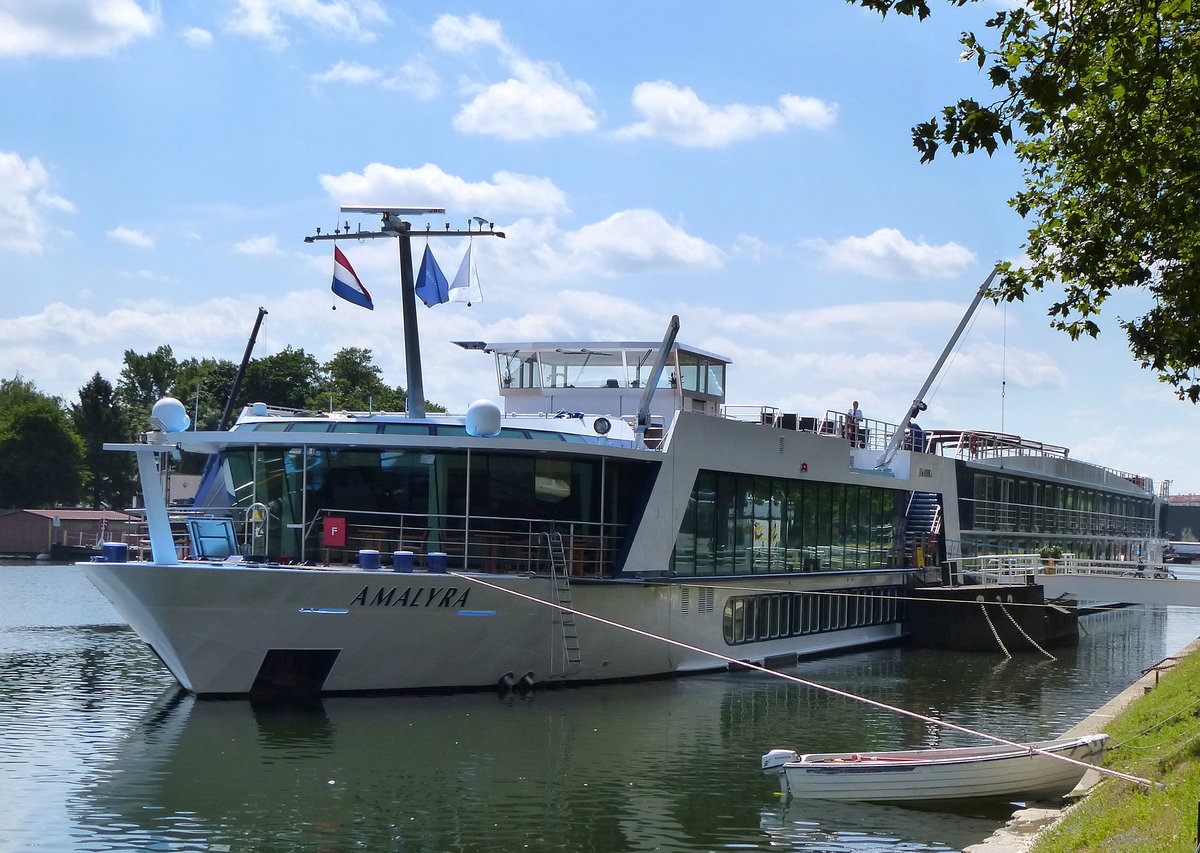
(1158, 738)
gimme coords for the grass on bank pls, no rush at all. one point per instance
(1158, 738)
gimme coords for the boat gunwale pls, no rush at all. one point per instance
(886, 760)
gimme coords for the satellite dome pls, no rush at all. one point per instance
(483, 418)
(171, 414)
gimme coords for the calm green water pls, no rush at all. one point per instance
(100, 753)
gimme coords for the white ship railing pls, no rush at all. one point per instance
(1022, 569)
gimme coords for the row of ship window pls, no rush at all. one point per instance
(772, 616)
(1020, 503)
(366, 428)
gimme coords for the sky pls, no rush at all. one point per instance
(747, 167)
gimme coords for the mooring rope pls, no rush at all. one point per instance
(1017, 625)
(987, 618)
(804, 682)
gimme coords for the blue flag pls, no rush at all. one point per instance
(431, 283)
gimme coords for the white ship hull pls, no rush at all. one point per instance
(214, 627)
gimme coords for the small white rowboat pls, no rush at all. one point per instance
(997, 771)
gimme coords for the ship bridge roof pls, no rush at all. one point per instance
(557, 346)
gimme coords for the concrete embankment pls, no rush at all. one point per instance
(1019, 833)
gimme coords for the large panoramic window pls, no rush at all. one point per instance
(740, 524)
(436, 500)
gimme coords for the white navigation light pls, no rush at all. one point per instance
(483, 419)
(171, 414)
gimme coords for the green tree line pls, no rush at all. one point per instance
(51, 450)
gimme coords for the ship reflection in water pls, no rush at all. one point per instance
(665, 765)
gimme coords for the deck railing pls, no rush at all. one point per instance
(1023, 568)
(475, 543)
(875, 435)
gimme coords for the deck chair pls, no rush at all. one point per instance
(212, 538)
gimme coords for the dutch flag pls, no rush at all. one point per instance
(346, 283)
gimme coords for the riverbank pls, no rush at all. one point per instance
(1163, 695)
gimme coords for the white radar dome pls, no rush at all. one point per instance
(483, 418)
(171, 414)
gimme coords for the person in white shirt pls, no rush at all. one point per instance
(855, 426)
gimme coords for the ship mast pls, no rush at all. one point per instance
(918, 403)
(394, 225)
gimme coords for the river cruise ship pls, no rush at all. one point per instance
(335, 552)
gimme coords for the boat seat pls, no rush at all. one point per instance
(212, 538)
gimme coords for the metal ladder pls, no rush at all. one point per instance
(560, 578)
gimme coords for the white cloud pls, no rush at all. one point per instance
(197, 37)
(414, 78)
(529, 106)
(641, 240)
(267, 19)
(25, 202)
(887, 253)
(429, 186)
(71, 28)
(456, 35)
(749, 246)
(266, 245)
(678, 115)
(131, 237)
(354, 73)
(537, 101)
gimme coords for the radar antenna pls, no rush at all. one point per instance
(395, 225)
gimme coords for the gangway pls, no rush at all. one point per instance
(1123, 581)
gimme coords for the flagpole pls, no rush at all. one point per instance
(408, 306)
(394, 226)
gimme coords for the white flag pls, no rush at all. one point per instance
(465, 287)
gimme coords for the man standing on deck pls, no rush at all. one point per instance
(855, 431)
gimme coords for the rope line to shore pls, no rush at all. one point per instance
(1017, 625)
(803, 681)
(987, 618)
(1158, 725)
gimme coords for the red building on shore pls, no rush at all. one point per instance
(61, 533)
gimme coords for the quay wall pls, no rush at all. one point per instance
(1019, 834)
(983, 618)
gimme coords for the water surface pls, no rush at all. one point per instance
(102, 753)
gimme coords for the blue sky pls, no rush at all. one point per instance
(746, 167)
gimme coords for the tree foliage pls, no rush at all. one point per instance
(50, 456)
(145, 379)
(287, 378)
(351, 381)
(108, 476)
(203, 385)
(1099, 100)
(41, 457)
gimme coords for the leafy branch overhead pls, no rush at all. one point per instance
(1099, 100)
